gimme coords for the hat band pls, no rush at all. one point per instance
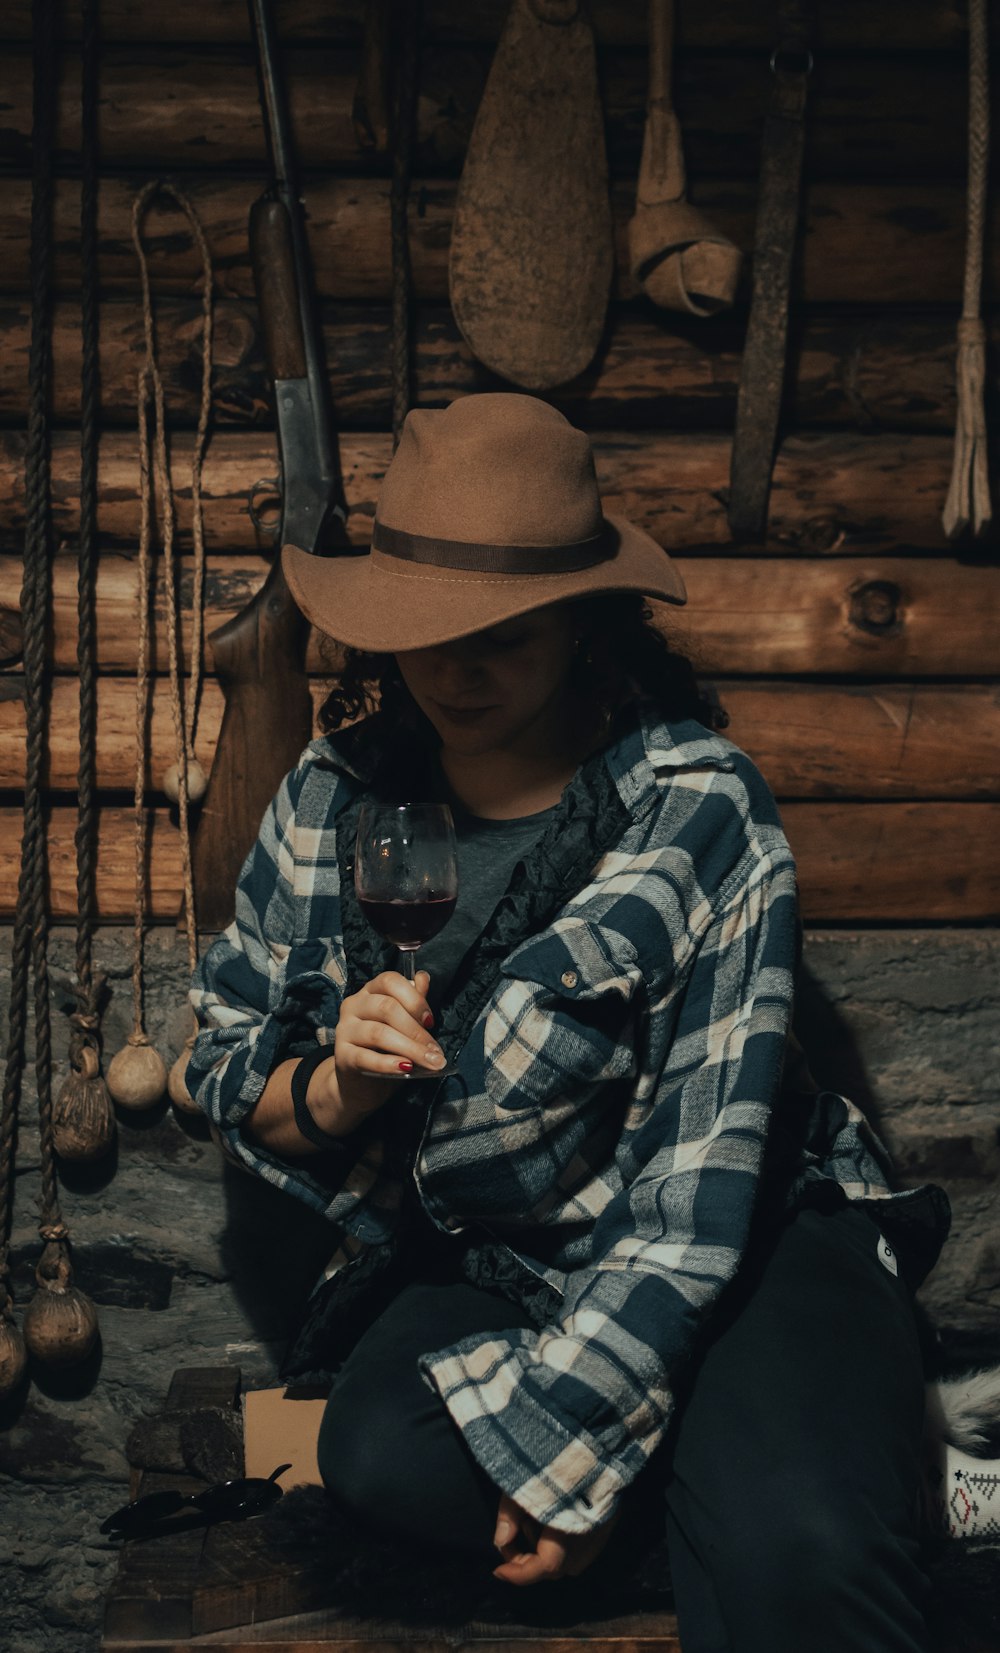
(471, 557)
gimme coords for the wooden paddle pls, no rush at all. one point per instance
(532, 253)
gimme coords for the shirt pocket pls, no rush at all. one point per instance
(562, 1024)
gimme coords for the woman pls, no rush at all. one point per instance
(626, 1253)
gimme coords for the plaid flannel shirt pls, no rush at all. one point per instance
(614, 1102)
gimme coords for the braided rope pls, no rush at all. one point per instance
(968, 501)
(86, 1019)
(30, 921)
(979, 143)
(183, 707)
(406, 101)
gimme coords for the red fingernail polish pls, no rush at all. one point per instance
(427, 1020)
(406, 1067)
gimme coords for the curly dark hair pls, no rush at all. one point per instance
(624, 652)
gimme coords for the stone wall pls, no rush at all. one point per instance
(193, 1263)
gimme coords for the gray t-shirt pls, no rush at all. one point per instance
(488, 852)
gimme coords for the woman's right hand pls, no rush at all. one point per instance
(381, 1036)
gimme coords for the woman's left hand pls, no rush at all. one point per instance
(534, 1554)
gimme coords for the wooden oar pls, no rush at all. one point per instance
(532, 252)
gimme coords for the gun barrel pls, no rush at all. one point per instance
(277, 128)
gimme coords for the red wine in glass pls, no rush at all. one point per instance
(408, 924)
(406, 873)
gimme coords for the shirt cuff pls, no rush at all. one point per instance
(555, 1472)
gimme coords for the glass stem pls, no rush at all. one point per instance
(408, 962)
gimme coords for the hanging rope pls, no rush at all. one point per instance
(140, 1070)
(968, 502)
(407, 71)
(58, 1340)
(83, 1120)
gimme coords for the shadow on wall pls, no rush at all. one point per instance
(274, 1248)
(830, 1046)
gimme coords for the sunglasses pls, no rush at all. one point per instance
(165, 1512)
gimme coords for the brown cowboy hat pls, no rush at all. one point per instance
(489, 509)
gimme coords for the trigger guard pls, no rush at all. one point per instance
(270, 487)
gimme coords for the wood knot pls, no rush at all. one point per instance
(820, 534)
(875, 608)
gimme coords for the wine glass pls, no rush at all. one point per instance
(406, 873)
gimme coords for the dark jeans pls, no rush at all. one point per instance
(789, 1479)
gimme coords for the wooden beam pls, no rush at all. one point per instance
(869, 371)
(810, 740)
(896, 863)
(843, 492)
(895, 116)
(878, 617)
(878, 862)
(863, 243)
(846, 25)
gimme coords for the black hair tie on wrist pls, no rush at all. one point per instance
(301, 1075)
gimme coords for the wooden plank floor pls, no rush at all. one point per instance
(325, 1633)
(230, 1586)
(235, 1586)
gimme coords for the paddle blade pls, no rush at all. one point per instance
(532, 251)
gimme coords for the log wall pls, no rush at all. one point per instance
(855, 652)
(854, 649)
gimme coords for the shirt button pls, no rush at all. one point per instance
(569, 978)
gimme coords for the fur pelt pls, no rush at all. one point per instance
(965, 1412)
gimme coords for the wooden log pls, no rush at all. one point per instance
(840, 492)
(846, 25)
(869, 741)
(890, 863)
(883, 740)
(885, 617)
(863, 243)
(876, 370)
(885, 117)
(883, 862)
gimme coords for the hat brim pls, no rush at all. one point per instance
(384, 605)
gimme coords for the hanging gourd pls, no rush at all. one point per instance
(60, 1322)
(13, 1354)
(83, 1124)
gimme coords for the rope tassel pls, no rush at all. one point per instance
(13, 1352)
(968, 503)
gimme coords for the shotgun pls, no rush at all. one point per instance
(259, 655)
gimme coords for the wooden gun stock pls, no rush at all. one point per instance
(267, 721)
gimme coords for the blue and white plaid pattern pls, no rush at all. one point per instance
(610, 1121)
